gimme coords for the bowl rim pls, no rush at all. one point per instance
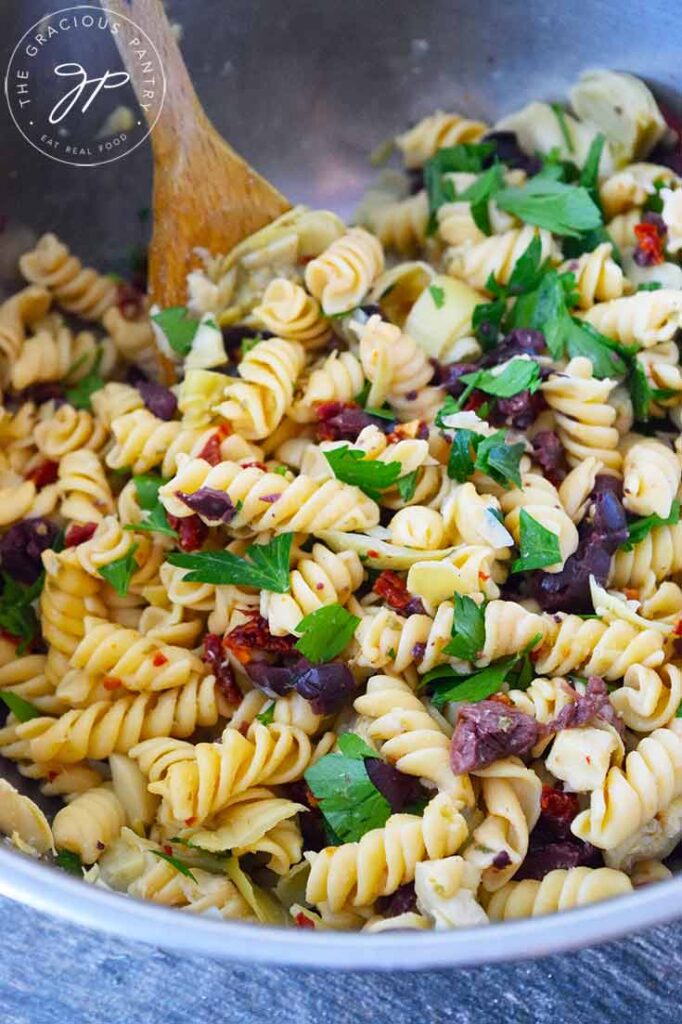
(51, 891)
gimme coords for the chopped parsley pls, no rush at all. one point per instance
(265, 566)
(438, 296)
(639, 529)
(467, 157)
(642, 393)
(557, 207)
(538, 545)
(120, 572)
(179, 328)
(560, 115)
(468, 629)
(20, 708)
(69, 861)
(447, 685)
(347, 797)
(267, 715)
(370, 475)
(326, 632)
(177, 864)
(518, 375)
(407, 485)
(80, 394)
(491, 455)
(156, 519)
(17, 614)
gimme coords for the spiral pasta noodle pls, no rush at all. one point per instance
(83, 487)
(357, 874)
(89, 823)
(558, 890)
(645, 319)
(289, 312)
(597, 275)
(255, 405)
(585, 418)
(435, 132)
(77, 289)
(496, 255)
(345, 272)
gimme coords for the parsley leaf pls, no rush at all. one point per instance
(462, 455)
(265, 566)
(156, 520)
(325, 632)
(517, 376)
(559, 208)
(468, 629)
(456, 687)
(407, 485)
(641, 528)
(649, 286)
(370, 475)
(479, 193)
(528, 269)
(120, 572)
(20, 708)
(17, 615)
(491, 455)
(467, 157)
(79, 395)
(178, 327)
(606, 355)
(177, 864)
(499, 460)
(267, 715)
(538, 545)
(642, 393)
(438, 296)
(347, 797)
(589, 175)
(69, 861)
(560, 115)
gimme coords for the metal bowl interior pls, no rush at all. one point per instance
(305, 91)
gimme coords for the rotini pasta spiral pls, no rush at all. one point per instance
(409, 737)
(255, 405)
(77, 289)
(52, 356)
(598, 277)
(83, 487)
(89, 823)
(585, 418)
(646, 319)
(559, 890)
(651, 478)
(16, 314)
(597, 648)
(435, 132)
(321, 578)
(289, 312)
(631, 187)
(339, 378)
(196, 781)
(137, 662)
(400, 224)
(344, 273)
(658, 555)
(650, 780)
(268, 501)
(66, 430)
(69, 594)
(648, 700)
(497, 255)
(142, 442)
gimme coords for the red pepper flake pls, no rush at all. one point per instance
(372, 553)
(255, 635)
(190, 821)
(558, 805)
(78, 533)
(483, 576)
(631, 593)
(111, 683)
(215, 657)
(393, 589)
(167, 849)
(192, 531)
(409, 431)
(303, 921)
(319, 586)
(649, 251)
(159, 659)
(45, 473)
(53, 774)
(243, 729)
(211, 450)
(258, 465)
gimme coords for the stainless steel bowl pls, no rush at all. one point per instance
(306, 90)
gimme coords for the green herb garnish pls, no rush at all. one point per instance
(468, 630)
(326, 632)
(347, 797)
(179, 328)
(80, 394)
(265, 566)
(20, 708)
(538, 545)
(370, 475)
(559, 208)
(120, 572)
(17, 614)
(641, 528)
(177, 864)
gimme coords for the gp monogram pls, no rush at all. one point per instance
(68, 91)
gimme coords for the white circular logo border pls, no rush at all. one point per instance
(99, 11)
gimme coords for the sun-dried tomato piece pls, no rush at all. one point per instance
(255, 635)
(45, 473)
(111, 683)
(215, 657)
(211, 450)
(303, 921)
(393, 589)
(159, 659)
(649, 251)
(192, 531)
(558, 806)
(78, 533)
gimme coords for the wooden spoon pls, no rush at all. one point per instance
(205, 194)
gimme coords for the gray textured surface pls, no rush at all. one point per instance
(53, 973)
